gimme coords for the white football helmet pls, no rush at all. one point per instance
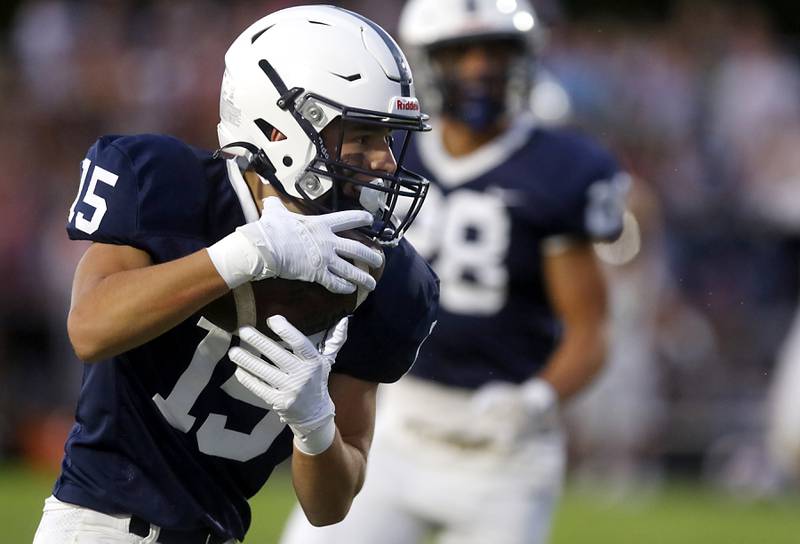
(426, 25)
(297, 70)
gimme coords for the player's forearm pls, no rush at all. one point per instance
(326, 484)
(128, 308)
(577, 361)
(577, 289)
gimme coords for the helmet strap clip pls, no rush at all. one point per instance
(287, 99)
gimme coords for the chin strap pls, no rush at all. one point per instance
(258, 161)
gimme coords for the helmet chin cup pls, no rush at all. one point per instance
(475, 107)
(373, 200)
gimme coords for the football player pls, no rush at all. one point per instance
(468, 444)
(179, 421)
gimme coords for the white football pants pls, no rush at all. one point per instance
(783, 425)
(434, 468)
(64, 523)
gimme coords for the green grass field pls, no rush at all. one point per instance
(680, 514)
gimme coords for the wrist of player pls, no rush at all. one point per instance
(539, 397)
(317, 440)
(305, 416)
(239, 259)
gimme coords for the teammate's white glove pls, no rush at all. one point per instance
(517, 409)
(297, 247)
(295, 385)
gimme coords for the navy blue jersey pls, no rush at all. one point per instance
(164, 431)
(482, 228)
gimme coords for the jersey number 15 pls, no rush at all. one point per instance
(99, 174)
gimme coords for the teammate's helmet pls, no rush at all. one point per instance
(430, 25)
(299, 69)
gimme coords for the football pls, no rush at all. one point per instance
(306, 305)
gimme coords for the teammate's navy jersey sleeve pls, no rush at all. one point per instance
(590, 188)
(125, 198)
(387, 330)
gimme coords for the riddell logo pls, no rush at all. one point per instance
(403, 105)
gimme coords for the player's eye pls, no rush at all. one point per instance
(358, 138)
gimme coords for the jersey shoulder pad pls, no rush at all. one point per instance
(387, 330)
(593, 188)
(140, 186)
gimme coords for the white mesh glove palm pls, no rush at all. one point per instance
(516, 409)
(295, 385)
(297, 247)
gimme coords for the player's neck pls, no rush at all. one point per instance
(260, 190)
(459, 139)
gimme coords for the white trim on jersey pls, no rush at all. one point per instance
(453, 171)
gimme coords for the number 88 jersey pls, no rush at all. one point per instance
(482, 228)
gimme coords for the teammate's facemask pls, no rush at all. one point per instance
(478, 98)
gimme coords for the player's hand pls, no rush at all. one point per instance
(295, 385)
(516, 410)
(297, 247)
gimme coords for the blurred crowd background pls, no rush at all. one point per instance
(699, 99)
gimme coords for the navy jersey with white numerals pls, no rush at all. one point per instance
(164, 431)
(482, 228)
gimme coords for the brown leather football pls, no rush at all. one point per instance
(308, 306)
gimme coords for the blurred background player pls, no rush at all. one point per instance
(179, 421)
(469, 443)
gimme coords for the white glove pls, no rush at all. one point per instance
(297, 247)
(516, 409)
(296, 384)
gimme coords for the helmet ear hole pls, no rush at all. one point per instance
(265, 127)
(287, 161)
